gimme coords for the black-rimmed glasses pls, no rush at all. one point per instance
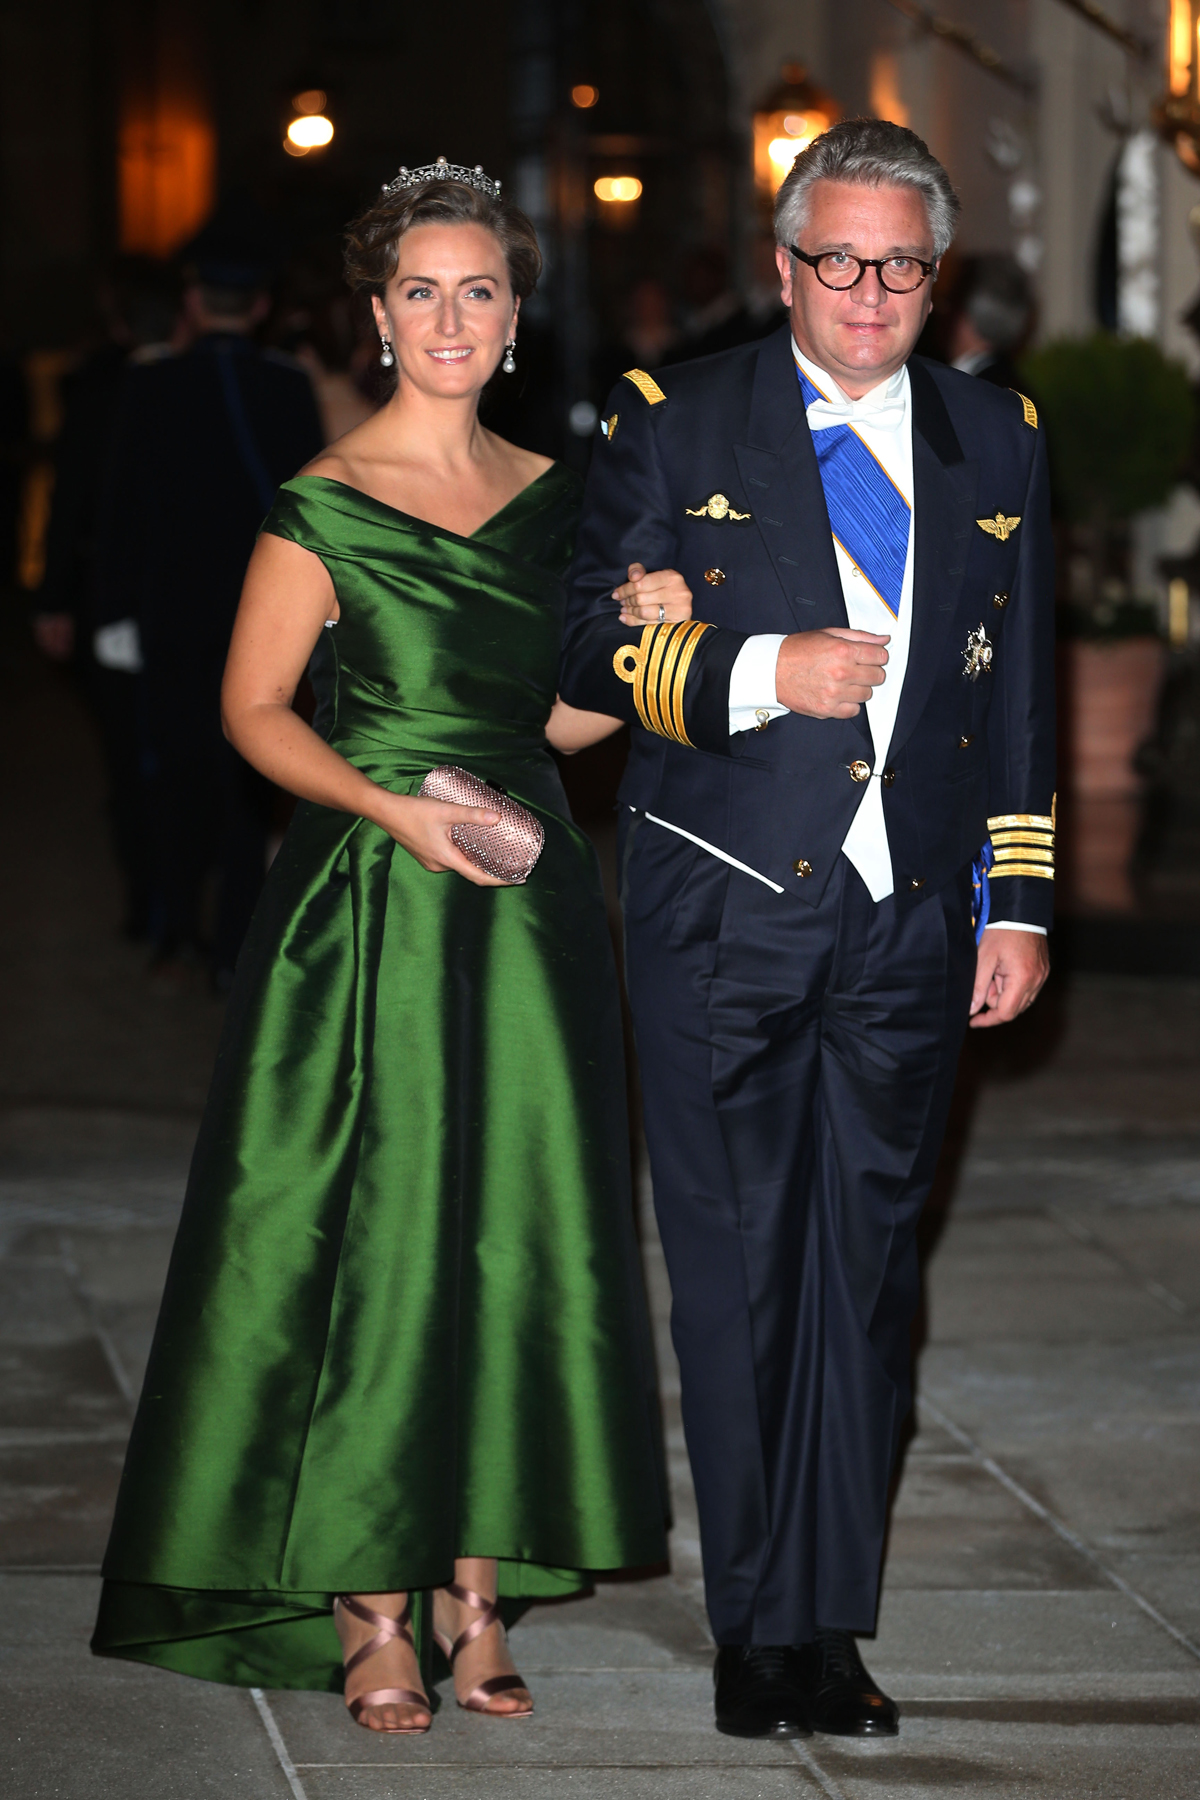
(839, 270)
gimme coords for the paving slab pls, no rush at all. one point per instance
(75, 1727)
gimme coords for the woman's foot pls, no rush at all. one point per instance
(474, 1640)
(383, 1677)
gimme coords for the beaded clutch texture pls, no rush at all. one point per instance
(507, 850)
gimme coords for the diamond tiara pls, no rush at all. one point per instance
(441, 170)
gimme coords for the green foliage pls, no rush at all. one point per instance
(1119, 419)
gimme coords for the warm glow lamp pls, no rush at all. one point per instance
(618, 189)
(1178, 112)
(786, 123)
(310, 129)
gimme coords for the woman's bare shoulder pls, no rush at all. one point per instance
(343, 459)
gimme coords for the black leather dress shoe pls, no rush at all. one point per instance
(758, 1693)
(841, 1697)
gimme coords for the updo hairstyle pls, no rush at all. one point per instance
(373, 238)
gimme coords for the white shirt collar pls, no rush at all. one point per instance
(885, 394)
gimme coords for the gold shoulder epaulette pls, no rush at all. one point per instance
(646, 385)
(657, 669)
(1023, 843)
(1030, 409)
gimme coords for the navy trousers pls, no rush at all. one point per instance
(797, 1066)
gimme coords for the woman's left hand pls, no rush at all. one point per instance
(661, 598)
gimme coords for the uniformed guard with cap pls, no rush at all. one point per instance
(837, 845)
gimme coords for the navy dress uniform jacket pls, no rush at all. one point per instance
(969, 756)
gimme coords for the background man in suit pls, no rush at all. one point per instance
(201, 443)
(864, 695)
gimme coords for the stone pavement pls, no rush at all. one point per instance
(1040, 1622)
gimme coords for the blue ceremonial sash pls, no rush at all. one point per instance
(868, 514)
(981, 890)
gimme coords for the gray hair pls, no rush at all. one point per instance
(868, 153)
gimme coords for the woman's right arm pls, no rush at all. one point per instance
(286, 600)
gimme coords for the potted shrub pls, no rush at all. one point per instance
(1119, 420)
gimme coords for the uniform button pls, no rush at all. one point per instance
(888, 776)
(714, 577)
(918, 881)
(859, 771)
(801, 868)
(1000, 601)
(964, 743)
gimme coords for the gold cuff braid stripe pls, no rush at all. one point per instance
(1027, 835)
(657, 670)
(1020, 868)
(1024, 853)
(1040, 821)
(687, 649)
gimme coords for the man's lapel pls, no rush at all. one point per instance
(944, 491)
(778, 466)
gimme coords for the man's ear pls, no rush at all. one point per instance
(787, 268)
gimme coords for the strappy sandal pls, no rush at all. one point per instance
(388, 1629)
(476, 1700)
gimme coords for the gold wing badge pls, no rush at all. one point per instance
(608, 427)
(999, 527)
(718, 509)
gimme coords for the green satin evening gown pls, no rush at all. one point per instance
(404, 1319)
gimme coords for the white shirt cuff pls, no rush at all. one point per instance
(1014, 925)
(752, 682)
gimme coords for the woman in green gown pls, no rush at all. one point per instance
(402, 1350)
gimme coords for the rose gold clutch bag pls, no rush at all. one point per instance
(507, 850)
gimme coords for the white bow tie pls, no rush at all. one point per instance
(884, 415)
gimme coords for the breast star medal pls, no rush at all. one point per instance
(977, 657)
(999, 527)
(718, 509)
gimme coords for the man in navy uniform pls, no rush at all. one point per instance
(860, 711)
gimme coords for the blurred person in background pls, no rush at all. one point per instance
(14, 445)
(715, 317)
(991, 313)
(331, 334)
(648, 333)
(201, 442)
(140, 304)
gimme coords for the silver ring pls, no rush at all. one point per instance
(662, 615)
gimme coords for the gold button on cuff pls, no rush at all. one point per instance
(918, 881)
(714, 577)
(964, 743)
(1000, 601)
(859, 771)
(888, 776)
(801, 867)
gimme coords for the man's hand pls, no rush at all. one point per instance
(828, 674)
(1010, 968)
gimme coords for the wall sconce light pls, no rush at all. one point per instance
(584, 96)
(1177, 114)
(786, 123)
(617, 189)
(309, 129)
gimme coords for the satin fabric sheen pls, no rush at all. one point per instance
(404, 1319)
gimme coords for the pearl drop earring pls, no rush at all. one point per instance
(386, 355)
(509, 364)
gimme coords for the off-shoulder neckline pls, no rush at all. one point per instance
(413, 519)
